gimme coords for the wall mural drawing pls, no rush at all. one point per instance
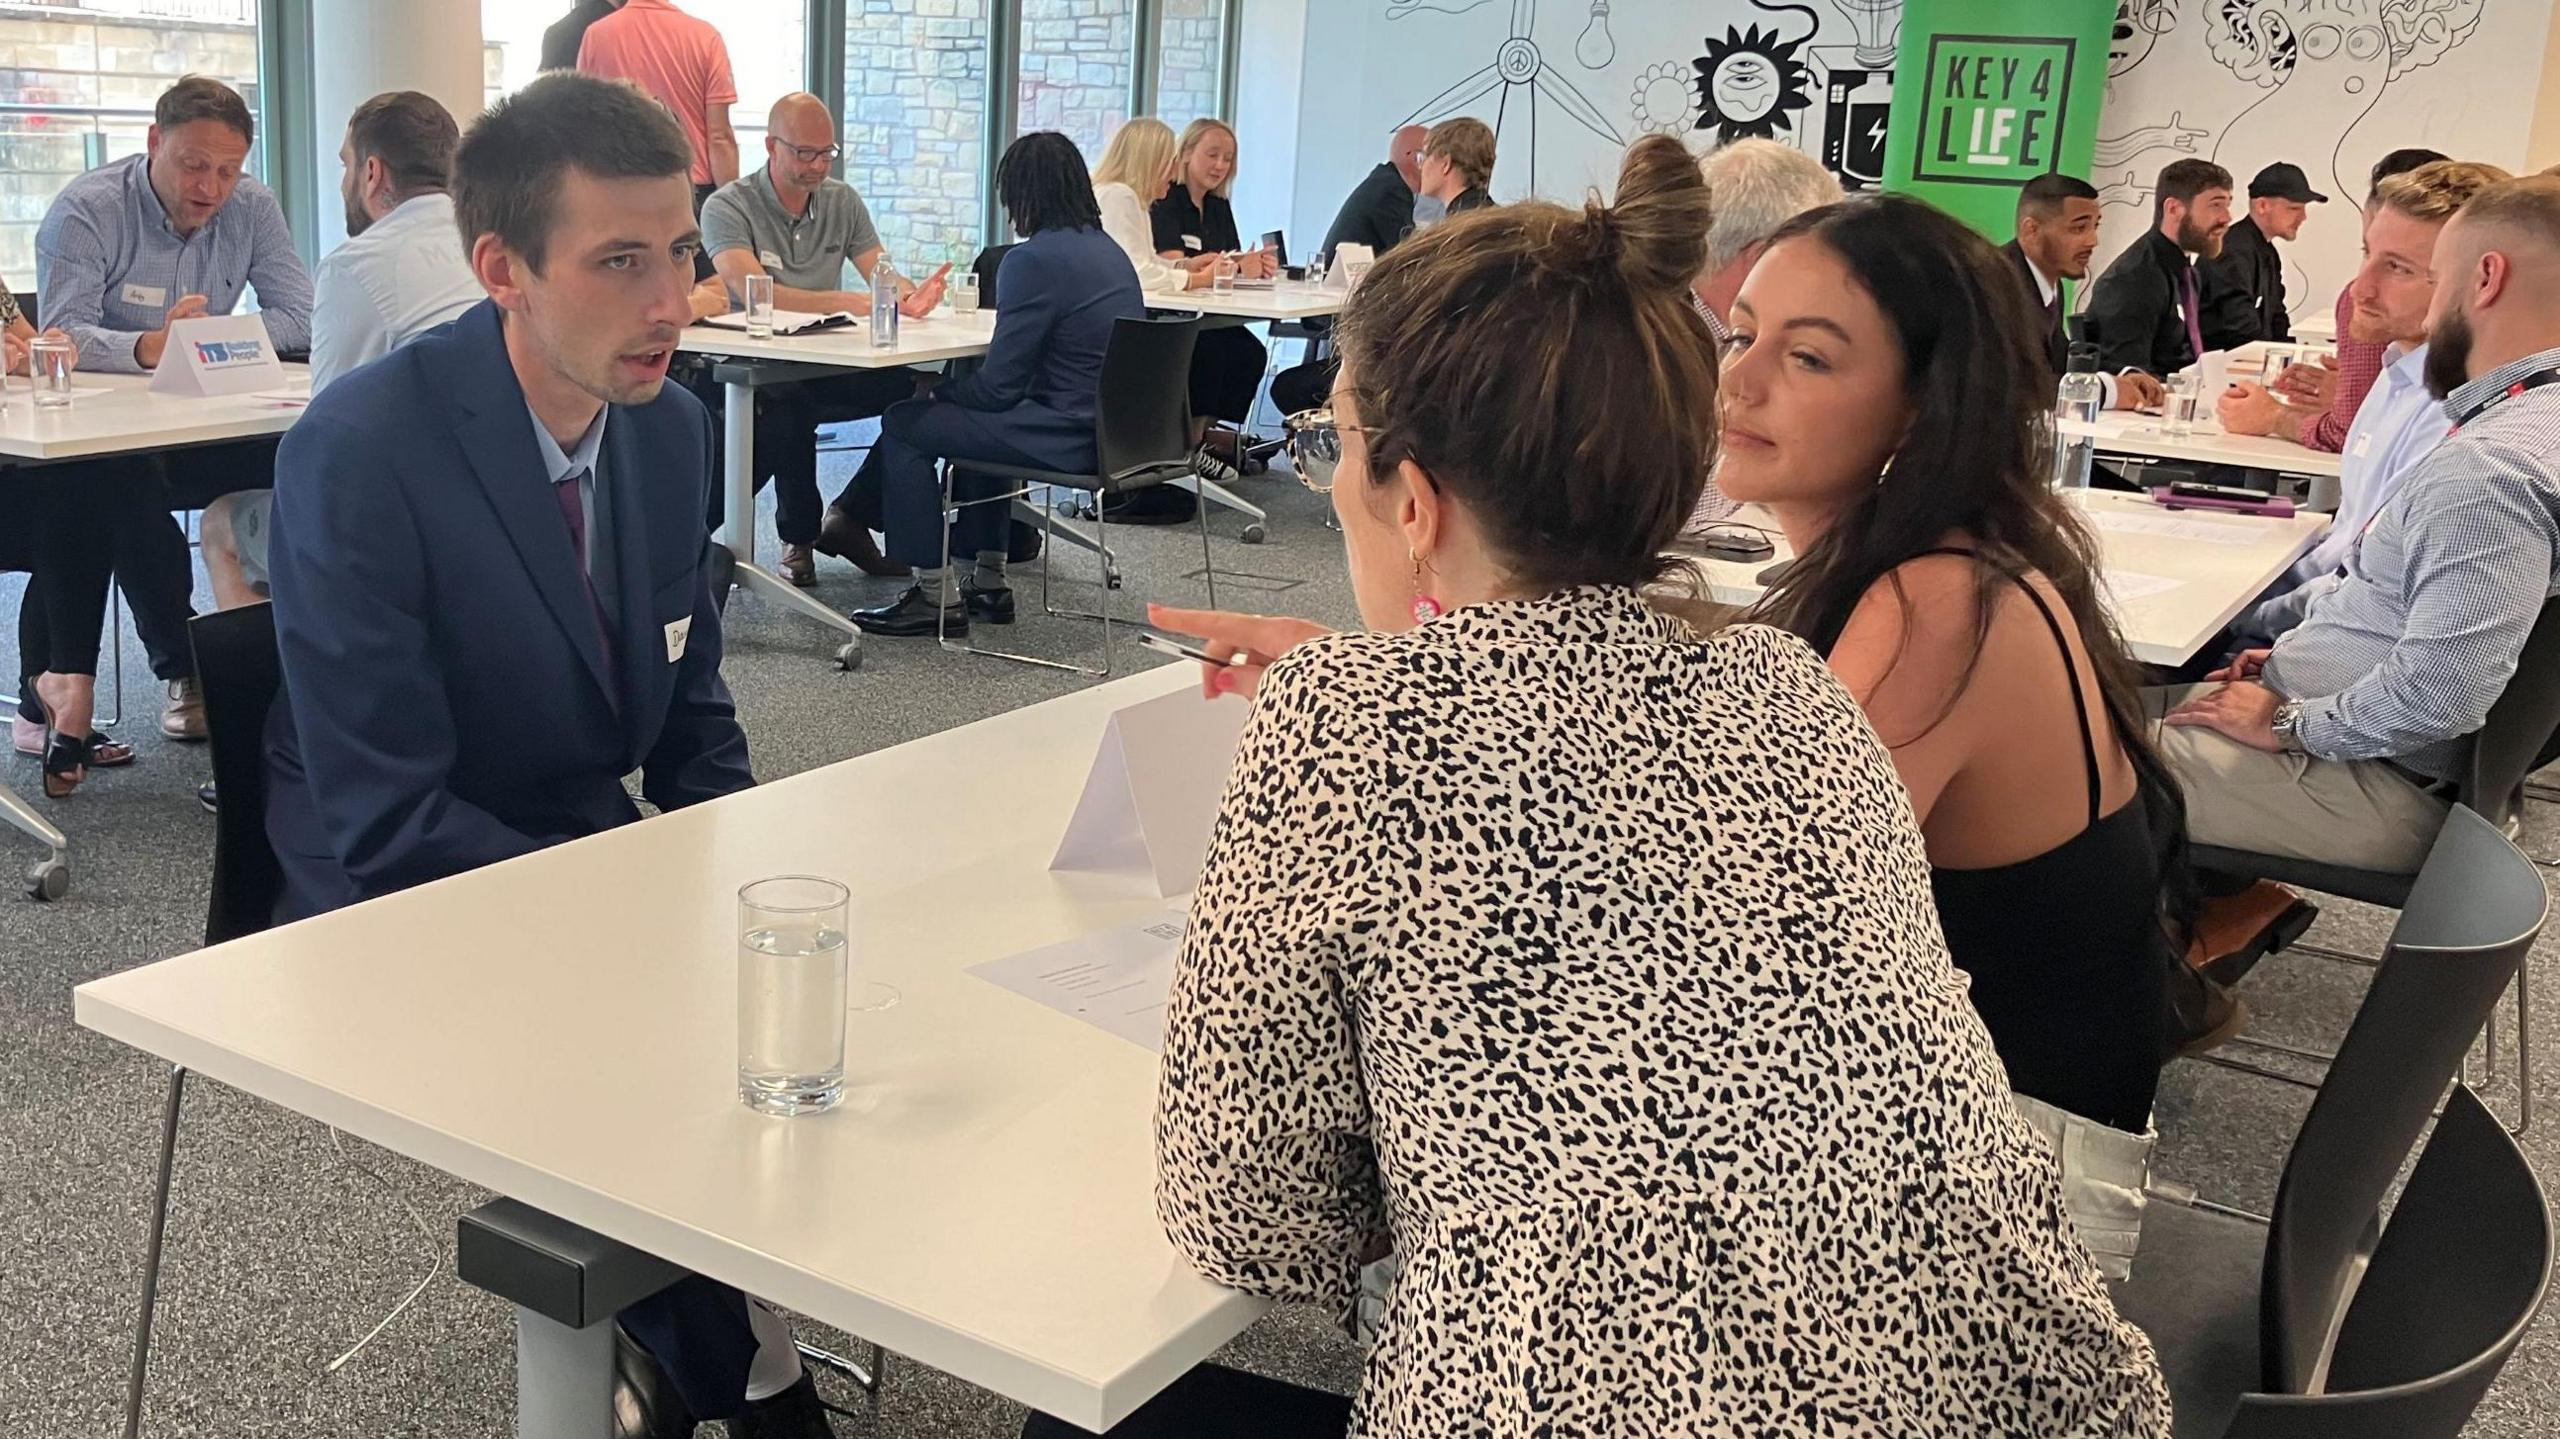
(2326, 84)
(1517, 65)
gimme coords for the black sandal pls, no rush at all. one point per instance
(66, 763)
(105, 750)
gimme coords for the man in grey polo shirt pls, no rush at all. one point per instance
(794, 221)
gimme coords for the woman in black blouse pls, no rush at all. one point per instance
(1195, 225)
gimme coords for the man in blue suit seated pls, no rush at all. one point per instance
(1031, 403)
(492, 596)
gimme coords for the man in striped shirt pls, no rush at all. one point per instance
(2343, 741)
(125, 251)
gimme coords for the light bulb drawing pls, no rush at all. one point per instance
(1878, 24)
(1596, 48)
(1519, 65)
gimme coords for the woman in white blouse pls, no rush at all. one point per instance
(1586, 958)
(1137, 169)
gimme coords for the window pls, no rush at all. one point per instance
(915, 125)
(767, 42)
(1191, 59)
(1079, 66)
(77, 82)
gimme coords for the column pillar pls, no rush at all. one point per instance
(362, 48)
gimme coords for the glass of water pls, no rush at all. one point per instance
(49, 371)
(964, 293)
(2178, 411)
(759, 298)
(1222, 275)
(791, 994)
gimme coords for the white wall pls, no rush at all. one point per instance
(1273, 49)
(2365, 76)
(365, 47)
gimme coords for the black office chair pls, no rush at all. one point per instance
(237, 665)
(2521, 734)
(2471, 915)
(984, 267)
(1142, 437)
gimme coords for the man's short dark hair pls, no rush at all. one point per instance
(2183, 180)
(2044, 195)
(201, 97)
(506, 176)
(2401, 162)
(1043, 185)
(414, 137)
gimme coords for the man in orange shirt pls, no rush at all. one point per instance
(681, 60)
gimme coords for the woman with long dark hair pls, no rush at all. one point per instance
(1882, 398)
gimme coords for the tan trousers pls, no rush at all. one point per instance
(2362, 814)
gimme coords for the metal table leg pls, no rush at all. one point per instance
(738, 448)
(564, 1377)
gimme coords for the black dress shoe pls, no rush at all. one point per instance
(992, 606)
(645, 1403)
(795, 1413)
(913, 615)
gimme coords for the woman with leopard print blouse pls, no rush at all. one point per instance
(1587, 961)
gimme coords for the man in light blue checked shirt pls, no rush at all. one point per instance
(2341, 742)
(126, 250)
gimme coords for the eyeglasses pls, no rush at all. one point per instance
(811, 154)
(1315, 447)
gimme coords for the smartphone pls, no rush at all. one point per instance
(1738, 545)
(1278, 244)
(2198, 490)
(1164, 646)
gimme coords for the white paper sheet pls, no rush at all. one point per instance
(2177, 527)
(1116, 980)
(2128, 585)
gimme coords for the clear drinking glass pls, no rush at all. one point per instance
(759, 307)
(791, 994)
(964, 293)
(2178, 413)
(49, 371)
(1222, 275)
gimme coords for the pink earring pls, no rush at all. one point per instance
(1425, 608)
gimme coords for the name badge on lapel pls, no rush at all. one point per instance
(1192, 242)
(152, 295)
(678, 631)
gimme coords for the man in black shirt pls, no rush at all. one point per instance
(1378, 214)
(2149, 305)
(560, 42)
(2250, 274)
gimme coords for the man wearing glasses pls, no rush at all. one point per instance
(793, 220)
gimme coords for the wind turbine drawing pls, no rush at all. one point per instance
(1516, 64)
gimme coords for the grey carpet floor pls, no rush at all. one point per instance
(286, 1245)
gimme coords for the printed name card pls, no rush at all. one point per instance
(218, 355)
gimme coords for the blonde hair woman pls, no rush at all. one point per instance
(1194, 226)
(1137, 168)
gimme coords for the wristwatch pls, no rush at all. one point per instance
(2288, 726)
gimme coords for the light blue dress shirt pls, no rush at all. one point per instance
(2403, 656)
(108, 266)
(2395, 427)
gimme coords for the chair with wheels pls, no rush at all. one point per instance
(2521, 734)
(1142, 437)
(2337, 1289)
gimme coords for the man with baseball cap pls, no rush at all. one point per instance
(2249, 275)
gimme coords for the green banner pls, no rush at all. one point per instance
(1989, 94)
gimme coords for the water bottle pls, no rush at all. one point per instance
(884, 305)
(2082, 395)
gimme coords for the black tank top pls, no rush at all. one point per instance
(2068, 958)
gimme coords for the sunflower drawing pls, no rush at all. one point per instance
(1664, 101)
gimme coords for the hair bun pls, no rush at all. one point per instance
(1655, 232)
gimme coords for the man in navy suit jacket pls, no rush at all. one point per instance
(1032, 403)
(491, 591)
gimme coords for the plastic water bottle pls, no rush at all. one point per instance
(884, 305)
(2082, 395)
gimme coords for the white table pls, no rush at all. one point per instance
(560, 1028)
(2317, 329)
(116, 415)
(2123, 432)
(2215, 581)
(942, 337)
